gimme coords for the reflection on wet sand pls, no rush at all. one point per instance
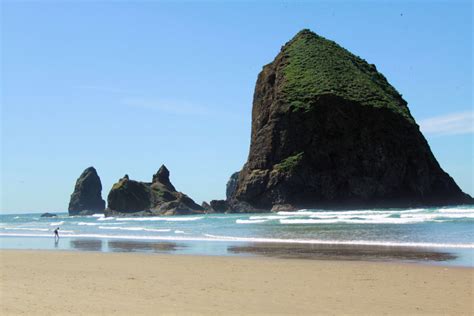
(141, 246)
(86, 244)
(342, 252)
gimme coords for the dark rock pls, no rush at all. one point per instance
(129, 195)
(236, 206)
(86, 198)
(48, 215)
(329, 131)
(283, 208)
(220, 206)
(182, 205)
(232, 185)
(144, 198)
(163, 177)
(206, 206)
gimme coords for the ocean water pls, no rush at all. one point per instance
(447, 230)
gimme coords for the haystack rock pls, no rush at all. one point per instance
(87, 196)
(329, 131)
(158, 197)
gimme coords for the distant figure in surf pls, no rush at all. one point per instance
(56, 234)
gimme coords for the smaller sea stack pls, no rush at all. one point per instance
(159, 197)
(87, 196)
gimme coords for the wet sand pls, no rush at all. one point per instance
(344, 252)
(281, 250)
(57, 282)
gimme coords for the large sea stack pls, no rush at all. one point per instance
(159, 197)
(87, 196)
(329, 131)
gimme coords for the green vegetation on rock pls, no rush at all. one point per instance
(289, 163)
(118, 185)
(317, 66)
(159, 191)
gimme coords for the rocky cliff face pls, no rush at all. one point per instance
(158, 197)
(87, 195)
(328, 130)
(231, 185)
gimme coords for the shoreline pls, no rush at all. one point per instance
(247, 256)
(448, 257)
(211, 238)
(59, 282)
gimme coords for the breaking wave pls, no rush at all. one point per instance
(159, 218)
(134, 229)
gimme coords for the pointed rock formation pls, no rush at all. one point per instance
(329, 131)
(87, 196)
(144, 198)
(163, 177)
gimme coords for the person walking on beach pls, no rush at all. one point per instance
(56, 234)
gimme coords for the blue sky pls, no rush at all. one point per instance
(127, 86)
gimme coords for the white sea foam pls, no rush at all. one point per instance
(159, 218)
(268, 217)
(209, 237)
(297, 213)
(105, 218)
(98, 215)
(356, 212)
(56, 224)
(458, 215)
(377, 216)
(98, 224)
(250, 221)
(386, 220)
(179, 232)
(135, 229)
(340, 242)
(87, 224)
(457, 210)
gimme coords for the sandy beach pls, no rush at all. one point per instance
(57, 282)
